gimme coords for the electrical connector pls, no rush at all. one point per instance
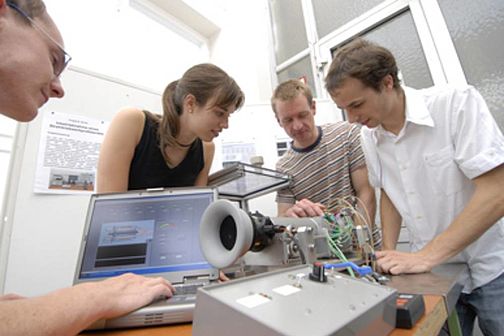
(361, 270)
(318, 272)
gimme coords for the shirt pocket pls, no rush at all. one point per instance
(443, 172)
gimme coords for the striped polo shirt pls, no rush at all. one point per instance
(321, 172)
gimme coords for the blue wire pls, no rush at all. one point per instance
(361, 270)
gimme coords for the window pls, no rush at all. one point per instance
(476, 28)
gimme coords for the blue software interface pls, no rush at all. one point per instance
(145, 235)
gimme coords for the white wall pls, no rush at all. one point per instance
(243, 47)
(111, 38)
(7, 132)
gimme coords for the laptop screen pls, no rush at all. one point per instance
(144, 233)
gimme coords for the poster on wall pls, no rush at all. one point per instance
(233, 152)
(68, 153)
(282, 145)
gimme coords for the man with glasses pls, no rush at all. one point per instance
(31, 59)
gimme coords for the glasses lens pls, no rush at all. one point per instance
(61, 66)
(58, 66)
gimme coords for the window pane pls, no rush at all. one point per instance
(300, 69)
(289, 30)
(399, 35)
(332, 14)
(477, 28)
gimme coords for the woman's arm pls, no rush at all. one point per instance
(208, 154)
(117, 150)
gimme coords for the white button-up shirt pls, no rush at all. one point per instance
(449, 137)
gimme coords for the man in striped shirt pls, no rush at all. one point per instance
(326, 162)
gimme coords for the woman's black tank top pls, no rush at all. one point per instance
(148, 168)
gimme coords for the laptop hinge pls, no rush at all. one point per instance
(197, 279)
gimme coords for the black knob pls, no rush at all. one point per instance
(318, 272)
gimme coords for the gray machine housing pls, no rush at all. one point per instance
(341, 306)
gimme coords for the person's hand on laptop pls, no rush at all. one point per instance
(69, 310)
(125, 293)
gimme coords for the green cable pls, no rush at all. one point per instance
(335, 249)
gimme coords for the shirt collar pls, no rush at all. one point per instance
(312, 146)
(416, 113)
(416, 109)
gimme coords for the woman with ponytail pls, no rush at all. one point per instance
(145, 150)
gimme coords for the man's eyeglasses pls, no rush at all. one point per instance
(61, 63)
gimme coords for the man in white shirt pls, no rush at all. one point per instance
(31, 60)
(437, 155)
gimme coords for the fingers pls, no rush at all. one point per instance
(396, 262)
(132, 284)
(388, 266)
(223, 277)
(11, 296)
(293, 212)
(306, 208)
(388, 262)
(127, 292)
(160, 286)
(321, 209)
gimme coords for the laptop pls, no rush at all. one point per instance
(152, 233)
